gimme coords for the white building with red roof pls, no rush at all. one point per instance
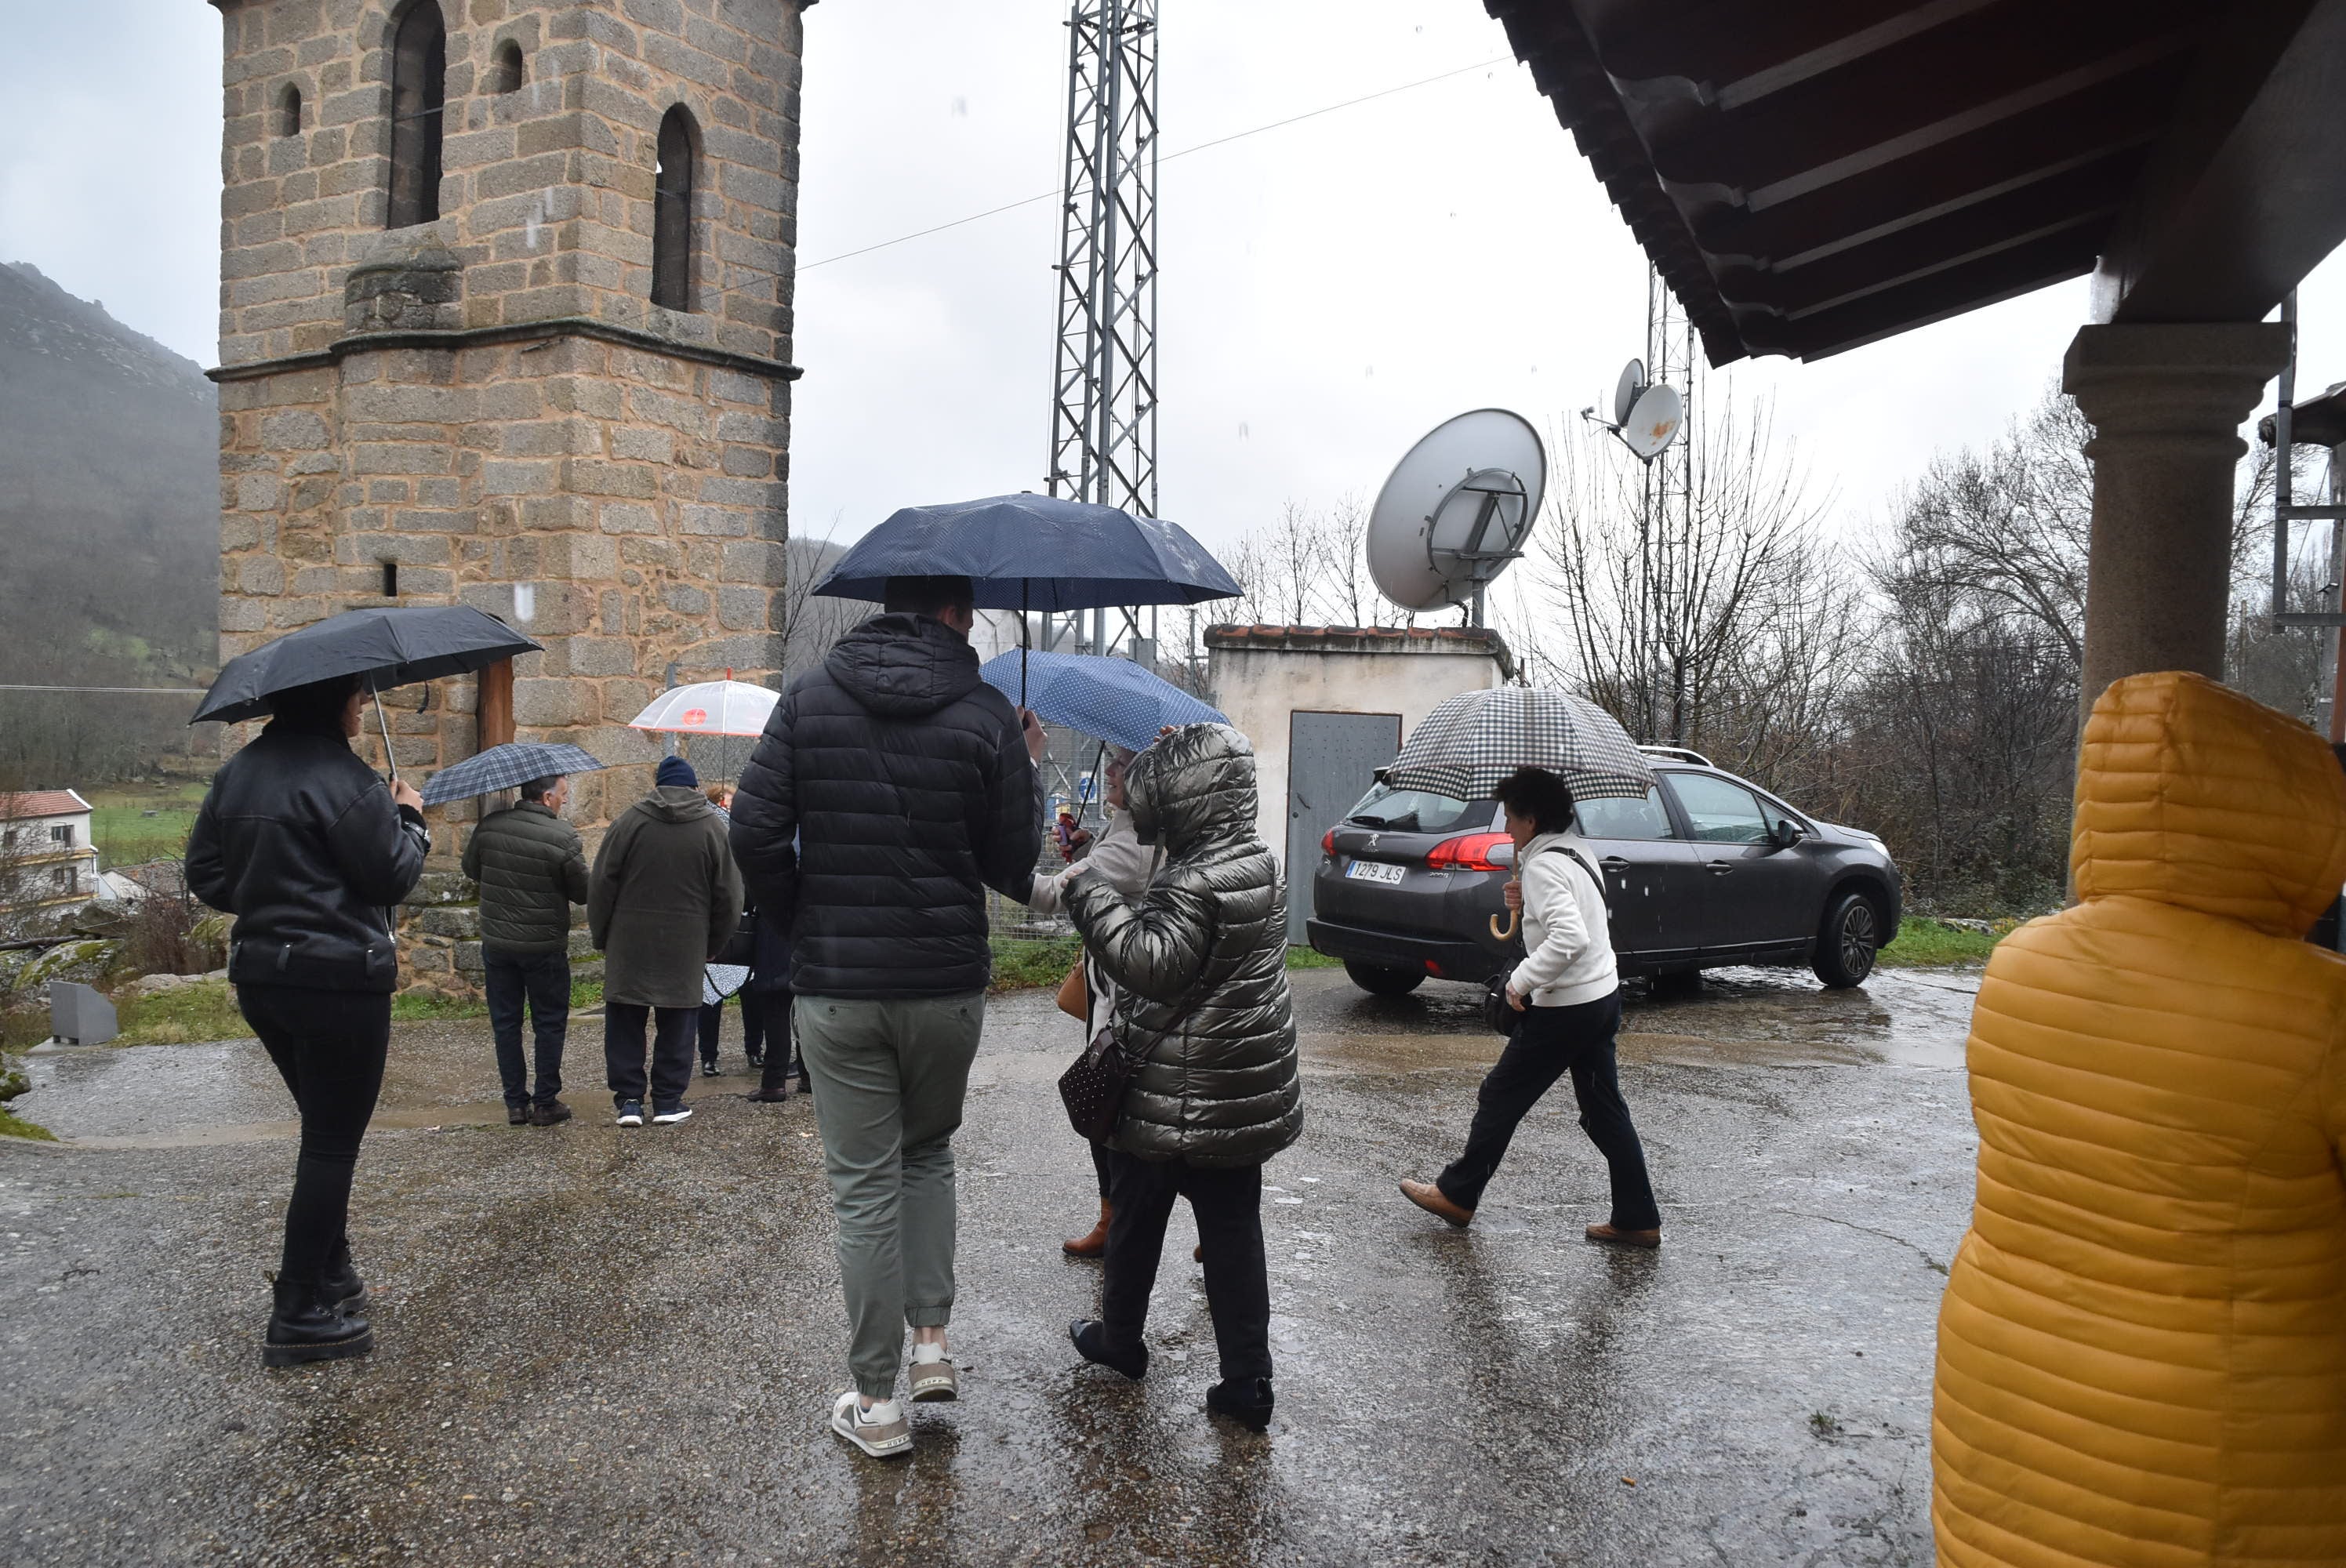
(47, 857)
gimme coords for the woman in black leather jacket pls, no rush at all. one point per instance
(309, 849)
(1200, 971)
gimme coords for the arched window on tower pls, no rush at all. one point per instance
(506, 68)
(672, 213)
(419, 70)
(289, 111)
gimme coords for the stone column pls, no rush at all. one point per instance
(2166, 403)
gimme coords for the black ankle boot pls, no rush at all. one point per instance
(1091, 1337)
(341, 1286)
(1247, 1403)
(303, 1329)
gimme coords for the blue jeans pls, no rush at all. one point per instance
(542, 980)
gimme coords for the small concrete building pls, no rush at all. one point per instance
(1326, 706)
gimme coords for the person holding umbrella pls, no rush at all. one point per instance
(308, 849)
(531, 869)
(1566, 998)
(893, 787)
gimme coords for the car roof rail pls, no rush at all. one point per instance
(1678, 754)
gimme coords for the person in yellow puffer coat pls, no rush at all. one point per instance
(2142, 1351)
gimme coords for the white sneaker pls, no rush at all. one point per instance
(676, 1113)
(880, 1431)
(934, 1376)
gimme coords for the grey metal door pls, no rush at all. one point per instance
(1332, 760)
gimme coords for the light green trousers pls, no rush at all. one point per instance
(889, 1078)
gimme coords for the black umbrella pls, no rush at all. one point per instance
(384, 647)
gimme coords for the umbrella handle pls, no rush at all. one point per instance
(1507, 931)
(384, 725)
(1026, 635)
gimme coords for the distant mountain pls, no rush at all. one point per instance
(109, 496)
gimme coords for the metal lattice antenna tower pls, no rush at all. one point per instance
(1104, 382)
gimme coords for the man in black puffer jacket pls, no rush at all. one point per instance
(301, 843)
(531, 869)
(905, 779)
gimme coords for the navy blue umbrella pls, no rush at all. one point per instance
(1034, 553)
(1111, 699)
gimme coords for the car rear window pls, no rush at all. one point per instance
(1419, 811)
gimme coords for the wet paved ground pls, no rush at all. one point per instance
(607, 1347)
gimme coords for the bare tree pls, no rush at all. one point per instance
(1716, 617)
(1311, 568)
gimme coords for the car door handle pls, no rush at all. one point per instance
(1614, 864)
(1720, 868)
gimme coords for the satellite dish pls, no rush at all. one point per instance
(1653, 419)
(1456, 510)
(1626, 389)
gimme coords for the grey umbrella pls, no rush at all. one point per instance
(504, 767)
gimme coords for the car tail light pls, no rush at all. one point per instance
(1469, 853)
(1328, 842)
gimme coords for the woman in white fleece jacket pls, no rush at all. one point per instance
(1567, 996)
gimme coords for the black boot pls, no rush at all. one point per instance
(341, 1286)
(1246, 1403)
(303, 1329)
(773, 1078)
(1091, 1338)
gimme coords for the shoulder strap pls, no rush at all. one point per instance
(1579, 860)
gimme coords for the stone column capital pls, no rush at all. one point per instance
(2173, 381)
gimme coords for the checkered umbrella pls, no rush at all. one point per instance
(1469, 744)
(504, 767)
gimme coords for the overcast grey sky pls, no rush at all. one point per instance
(1330, 290)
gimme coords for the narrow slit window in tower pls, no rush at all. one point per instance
(289, 111)
(672, 213)
(419, 69)
(505, 77)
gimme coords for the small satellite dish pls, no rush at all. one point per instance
(1626, 389)
(1456, 510)
(1653, 419)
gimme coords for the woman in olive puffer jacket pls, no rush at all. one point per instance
(1200, 968)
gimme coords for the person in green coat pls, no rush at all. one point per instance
(664, 898)
(530, 869)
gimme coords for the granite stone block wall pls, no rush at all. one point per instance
(487, 408)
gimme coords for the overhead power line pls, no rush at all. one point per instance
(1166, 158)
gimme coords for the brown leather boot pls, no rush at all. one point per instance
(1093, 1242)
(1432, 1199)
(1614, 1238)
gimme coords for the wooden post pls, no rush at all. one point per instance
(492, 714)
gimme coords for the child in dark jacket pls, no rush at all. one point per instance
(1200, 968)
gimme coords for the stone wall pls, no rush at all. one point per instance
(489, 403)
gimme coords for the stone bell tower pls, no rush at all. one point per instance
(505, 322)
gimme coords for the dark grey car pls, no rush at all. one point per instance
(1706, 870)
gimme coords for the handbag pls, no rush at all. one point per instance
(1093, 1088)
(740, 949)
(1076, 994)
(1498, 1013)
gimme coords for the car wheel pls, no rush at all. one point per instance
(1379, 980)
(1845, 948)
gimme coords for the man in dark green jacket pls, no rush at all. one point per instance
(531, 869)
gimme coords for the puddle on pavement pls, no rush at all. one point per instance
(1914, 1018)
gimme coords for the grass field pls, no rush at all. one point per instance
(127, 835)
(1933, 944)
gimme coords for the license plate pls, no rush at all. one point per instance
(1374, 871)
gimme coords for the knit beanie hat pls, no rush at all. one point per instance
(676, 770)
